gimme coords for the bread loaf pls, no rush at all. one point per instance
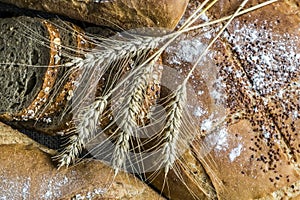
(249, 105)
(27, 172)
(120, 14)
(263, 149)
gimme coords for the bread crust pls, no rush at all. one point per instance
(120, 14)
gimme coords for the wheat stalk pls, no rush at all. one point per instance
(89, 118)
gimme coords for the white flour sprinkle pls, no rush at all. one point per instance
(89, 195)
(198, 112)
(26, 189)
(200, 92)
(222, 144)
(236, 152)
(51, 189)
(217, 141)
(271, 60)
(187, 50)
(15, 188)
(206, 125)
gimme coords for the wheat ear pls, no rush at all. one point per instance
(97, 62)
(85, 131)
(172, 128)
(129, 112)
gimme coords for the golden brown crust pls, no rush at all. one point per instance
(123, 14)
(27, 171)
(188, 181)
(289, 192)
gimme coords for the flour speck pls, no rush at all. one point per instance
(236, 152)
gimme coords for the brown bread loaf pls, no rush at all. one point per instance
(27, 172)
(121, 14)
(29, 78)
(249, 105)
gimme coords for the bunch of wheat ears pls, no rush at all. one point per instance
(117, 140)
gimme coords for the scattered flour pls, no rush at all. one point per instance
(89, 195)
(200, 92)
(236, 152)
(221, 143)
(17, 188)
(206, 125)
(216, 141)
(198, 112)
(187, 50)
(271, 60)
(51, 189)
